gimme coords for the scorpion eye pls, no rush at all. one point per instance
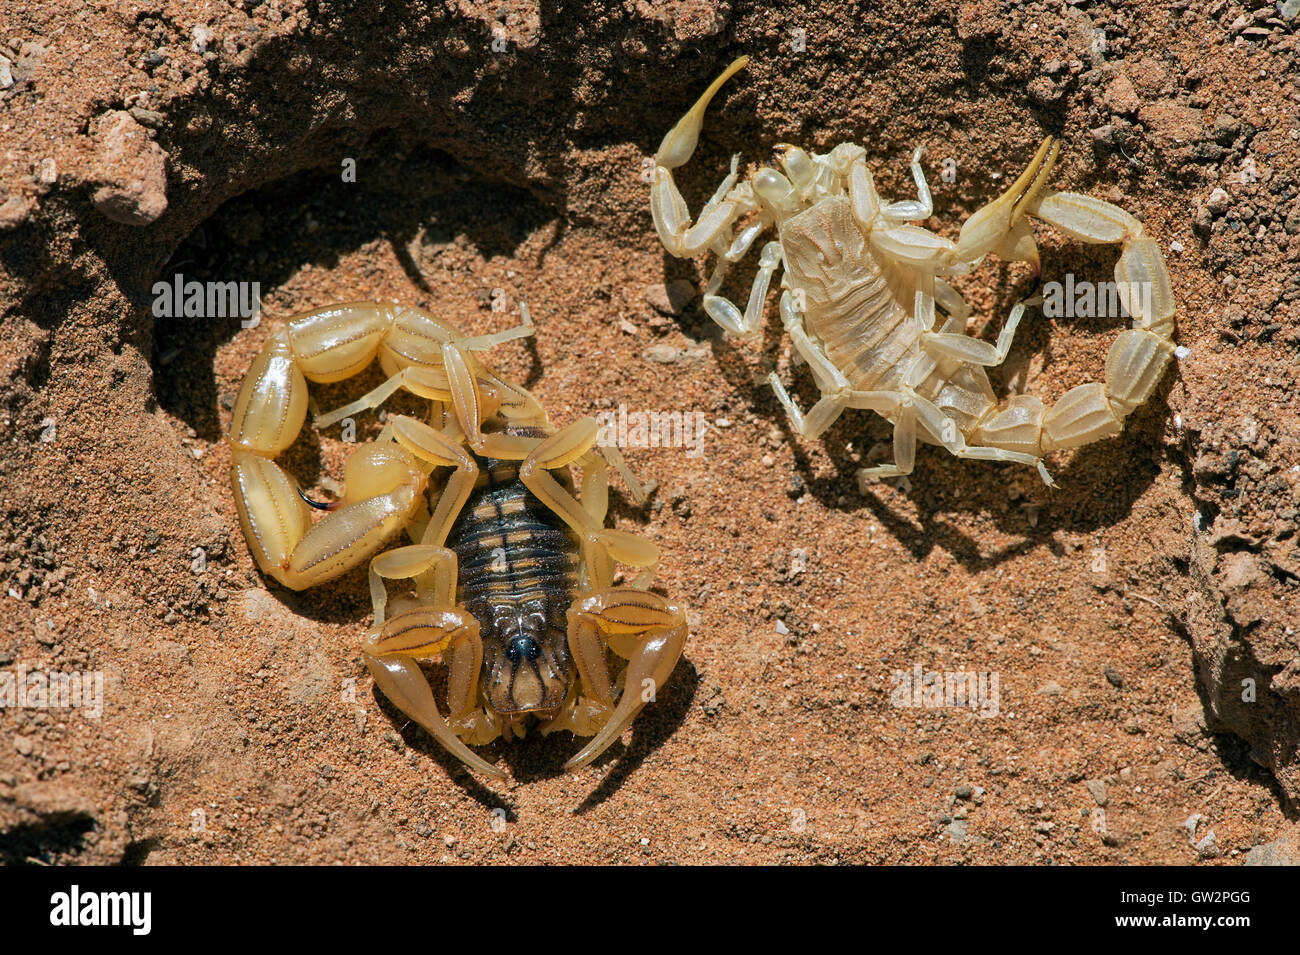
(523, 648)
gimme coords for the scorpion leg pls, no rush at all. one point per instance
(944, 430)
(836, 392)
(429, 381)
(726, 314)
(922, 207)
(475, 400)
(961, 347)
(599, 543)
(904, 416)
(640, 626)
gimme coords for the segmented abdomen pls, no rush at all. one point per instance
(512, 549)
(850, 303)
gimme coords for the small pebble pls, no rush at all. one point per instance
(670, 299)
(663, 353)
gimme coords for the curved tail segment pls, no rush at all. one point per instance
(1137, 359)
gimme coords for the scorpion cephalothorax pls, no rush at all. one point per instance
(861, 287)
(512, 571)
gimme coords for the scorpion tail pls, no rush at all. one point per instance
(681, 140)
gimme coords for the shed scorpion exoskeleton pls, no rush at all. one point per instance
(512, 573)
(861, 285)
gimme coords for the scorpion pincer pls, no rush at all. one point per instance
(512, 570)
(861, 284)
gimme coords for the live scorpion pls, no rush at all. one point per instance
(513, 574)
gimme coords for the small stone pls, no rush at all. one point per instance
(24, 745)
(1218, 202)
(670, 299)
(1287, 10)
(130, 170)
(1238, 571)
(1051, 688)
(1202, 221)
(964, 791)
(1043, 91)
(1225, 129)
(14, 211)
(663, 353)
(1097, 789)
(1292, 223)
(147, 117)
(1171, 123)
(1113, 676)
(956, 831)
(1105, 135)
(1208, 847)
(781, 628)
(202, 37)
(1120, 95)
(1189, 723)
(1285, 850)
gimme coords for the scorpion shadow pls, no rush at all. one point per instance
(544, 756)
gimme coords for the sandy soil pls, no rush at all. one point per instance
(501, 148)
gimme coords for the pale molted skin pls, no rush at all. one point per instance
(474, 416)
(861, 285)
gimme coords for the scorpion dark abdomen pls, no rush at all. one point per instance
(518, 566)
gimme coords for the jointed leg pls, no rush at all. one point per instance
(836, 392)
(561, 449)
(726, 314)
(922, 207)
(427, 381)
